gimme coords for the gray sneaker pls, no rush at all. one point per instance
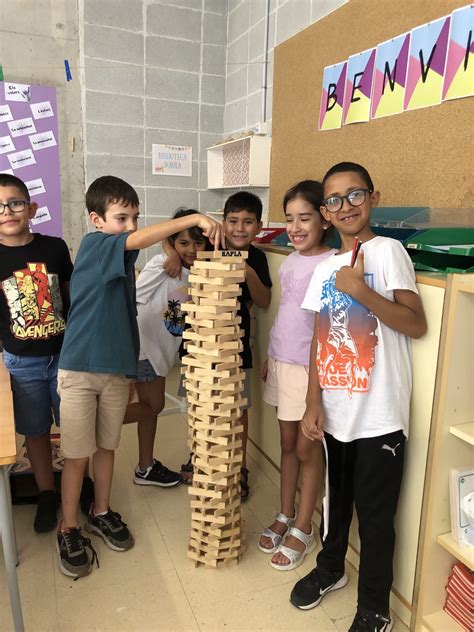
(111, 528)
(74, 561)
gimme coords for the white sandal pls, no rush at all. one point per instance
(296, 557)
(276, 538)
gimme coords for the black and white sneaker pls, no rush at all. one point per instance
(308, 592)
(157, 474)
(368, 621)
(111, 528)
(74, 560)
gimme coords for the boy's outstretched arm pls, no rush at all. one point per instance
(173, 264)
(312, 424)
(146, 237)
(405, 314)
(259, 292)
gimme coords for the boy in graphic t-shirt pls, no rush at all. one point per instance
(367, 309)
(34, 277)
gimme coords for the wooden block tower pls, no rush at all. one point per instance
(214, 383)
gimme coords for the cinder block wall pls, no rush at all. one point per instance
(154, 73)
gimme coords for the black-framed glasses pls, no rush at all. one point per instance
(15, 206)
(357, 197)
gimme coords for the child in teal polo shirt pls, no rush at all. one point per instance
(100, 349)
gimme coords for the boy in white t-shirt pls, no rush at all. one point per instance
(359, 392)
(161, 325)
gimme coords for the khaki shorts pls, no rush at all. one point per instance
(286, 388)
(92, 410)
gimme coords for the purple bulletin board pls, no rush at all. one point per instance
(29, 149)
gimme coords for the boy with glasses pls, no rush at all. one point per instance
(34, 295)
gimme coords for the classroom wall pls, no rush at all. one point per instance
(154, 73)
(35, 39)
(245, 55)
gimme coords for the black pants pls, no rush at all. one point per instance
(367, 473)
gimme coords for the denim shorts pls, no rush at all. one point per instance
(35, 395)
(145, 372)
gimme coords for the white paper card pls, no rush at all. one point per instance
(35, 187)
(22, 127)
(172, 160)
(17, 92)
(21, 159)
(5, 113)
(6, 144)
(10, 171)
(42, 215)
(42, 140)
(41, 110)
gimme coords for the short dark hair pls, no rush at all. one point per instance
(351, 166)
(8, 180)
(109, 190)
(244, 201)
(195, 232)
(311, 191)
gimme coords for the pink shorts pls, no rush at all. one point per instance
(286, 388)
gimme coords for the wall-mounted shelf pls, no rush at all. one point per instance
(244, 162)
(464, 554)
(464, 432)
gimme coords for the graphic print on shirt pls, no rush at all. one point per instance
(173, 316)
(294, 289)
(347, 340)
(35, 303)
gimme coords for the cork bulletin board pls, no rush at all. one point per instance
(417, 158)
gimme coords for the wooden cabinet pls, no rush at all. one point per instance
(244, 162)
(450, 445)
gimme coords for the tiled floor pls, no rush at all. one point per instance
(154, 586)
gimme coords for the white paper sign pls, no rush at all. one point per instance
(42, 215)
(6, 144)
(22, 127)
(35, 187)
(5, 113)
(10, 171)
(42, 140)
(172, 160)
(17, 92)
(21, 159)
(41, 110)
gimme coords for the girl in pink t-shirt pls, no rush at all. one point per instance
(291, 537)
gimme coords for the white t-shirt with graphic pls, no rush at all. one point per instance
(364, 366)
(160, 319)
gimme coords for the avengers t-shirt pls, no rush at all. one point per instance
(32, 314)
(364, 367)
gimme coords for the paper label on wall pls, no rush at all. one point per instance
(17, 92)
(42, 215)
(332, 96)
(426, 63)
(10, 171)
(172, 160)
(41, 110)
(6, 144)
(22, 127)
(358, 89)
(459, 72)
(21, 159)
(391, 62)
(35, 187)
(5, 113)
(42, 140)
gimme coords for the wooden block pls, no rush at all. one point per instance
(204, 310)
(215, 353)
(199, 264)
(212, 281)
(224, 302)
(222, 254)
(211, 323)
(215, 293)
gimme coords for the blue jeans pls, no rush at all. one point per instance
(35, 396)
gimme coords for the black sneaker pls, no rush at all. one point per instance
(368, 621)
(308, 592)
(74, 561)
(111, 529)
(46, 518)
(87, 495)
(157, 474)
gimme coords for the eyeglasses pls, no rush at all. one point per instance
(334, 203)
(15, 206)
